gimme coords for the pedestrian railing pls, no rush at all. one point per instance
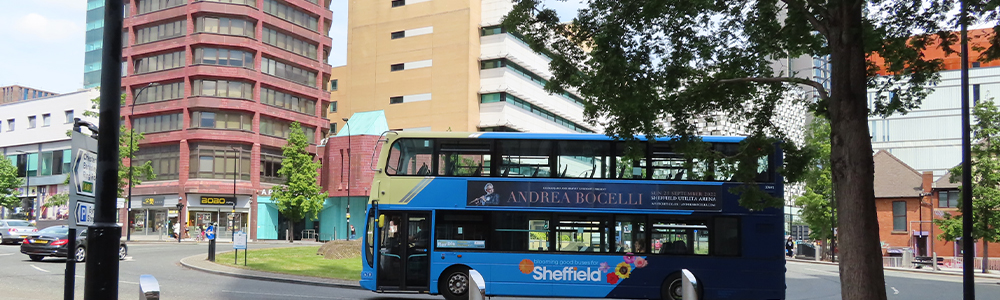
(893, 262)
(957, 262)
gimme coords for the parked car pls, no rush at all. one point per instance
(13, 231)
(52, 241)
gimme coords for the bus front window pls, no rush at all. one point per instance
(410, 157)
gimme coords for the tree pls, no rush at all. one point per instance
(300, 196)
(641, 64)
(986, 182)
(9, 183)
(817, 202)
(128, 145)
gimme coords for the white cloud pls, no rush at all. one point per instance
(66, 4)
(37, 27)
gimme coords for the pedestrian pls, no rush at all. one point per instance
(789, 245)
(352, 232)
(177, 229)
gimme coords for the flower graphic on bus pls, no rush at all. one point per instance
(629, 258)
(640, 262)
(604, 267)
(612, 278)
(526, 266)
(623, 270)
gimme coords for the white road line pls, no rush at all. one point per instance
(894, 290)
(40, 269)
(122, 281)
(283, 295)
(5, 254)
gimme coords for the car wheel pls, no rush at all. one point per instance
(454, 284)
(671, 288)
(80, 255)
(122, 252)
(36, 257)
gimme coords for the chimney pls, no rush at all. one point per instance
(928, 181)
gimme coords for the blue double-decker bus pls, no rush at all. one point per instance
(567, 215)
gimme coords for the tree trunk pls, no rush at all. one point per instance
(291, 231)
(986, 256)
(851, 158)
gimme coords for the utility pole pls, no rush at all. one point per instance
(101, 281)
(968, 258)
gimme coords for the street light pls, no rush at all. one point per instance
(180, 229)
(348, 127)
(236, 174)
(27, 180)
(131, 156)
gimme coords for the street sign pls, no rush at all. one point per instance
(240, 240)
(85, 172)
(84, 213)
(210, 232)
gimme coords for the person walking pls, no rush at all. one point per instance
(789, 245)
(353, 236)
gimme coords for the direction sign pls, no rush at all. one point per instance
(240, 240)
(85, 172)
(84, 213)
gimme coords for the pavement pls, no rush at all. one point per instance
(925, 270)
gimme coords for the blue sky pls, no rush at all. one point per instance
(43, 41)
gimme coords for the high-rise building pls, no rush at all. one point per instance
(447, 65)
(13, 93)
(214, 86)
(94, 43)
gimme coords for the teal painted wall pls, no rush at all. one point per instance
(333, 218)
(267, 219)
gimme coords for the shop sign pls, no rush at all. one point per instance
(217, 200)
(153, 201)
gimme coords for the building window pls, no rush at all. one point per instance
(228, 120)
(287, 101)
(223, 57)
(161, 123)
(948, 199)
(398, 3)
(491, 30)
(46, 120)
(10, 124)
(31, 122)
(288, 13)
(160, 32)
(290, 43)
(534, 109)
(333, 106)
(396, 100)
(270, 163)
(517, 69)
(288, 72)
(251, 3)
(148, 6)
(229, 26)
(69, 116)
(975, 64)
(220, 161)
(398, 35)
(160, 62)
(157, 93)
(333, 85)
(975, 94)
(396, 67)
(279, 128)
(164, 159)
(899, 216)
(223, 89)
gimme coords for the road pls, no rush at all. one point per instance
(24, 279)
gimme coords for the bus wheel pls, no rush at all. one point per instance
(671, 288)
(454, 283)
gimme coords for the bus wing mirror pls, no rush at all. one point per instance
(381, 221)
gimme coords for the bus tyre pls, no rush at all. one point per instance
(454, 283)
(671, 288)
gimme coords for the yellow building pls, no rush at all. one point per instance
(443, 65)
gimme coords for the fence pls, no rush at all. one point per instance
(893, 262)
(949, 262)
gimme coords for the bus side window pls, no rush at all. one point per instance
(530, 158)
(521, 231)
(630, 234)
(584, 159)
(410, 157)
(462, 230)
(681, 236)
(727, 236)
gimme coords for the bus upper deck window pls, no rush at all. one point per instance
(410, 157)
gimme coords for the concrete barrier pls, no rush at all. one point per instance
(149, 288)
(689, 285)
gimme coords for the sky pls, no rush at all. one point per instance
(42, 41)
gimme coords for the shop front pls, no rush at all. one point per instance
(153, 215)
(230, 213)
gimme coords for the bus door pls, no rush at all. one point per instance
(404, 246)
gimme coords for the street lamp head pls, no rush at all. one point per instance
(345, 119)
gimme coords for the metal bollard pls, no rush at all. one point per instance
(149, 288)
(689, 285)
(477, 286)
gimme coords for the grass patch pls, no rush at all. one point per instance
(296, 261)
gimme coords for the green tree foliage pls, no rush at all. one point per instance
(56, 200)
(9, 182)
(641, 63)
(128, 145)
(301, 196)
(986, 182)
(817, 209)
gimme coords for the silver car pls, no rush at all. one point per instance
(15, 230)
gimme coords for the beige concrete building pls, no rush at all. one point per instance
(13, 93)
(446, 65)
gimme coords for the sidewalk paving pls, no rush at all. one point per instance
(925, 270)
(200, 262)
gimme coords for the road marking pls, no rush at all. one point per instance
(894, 290)
(283, 295)
(5, 254)
(122, 281)
(40, 269)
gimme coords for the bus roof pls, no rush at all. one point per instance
(543, 136)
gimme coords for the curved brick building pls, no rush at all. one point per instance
(228, 78)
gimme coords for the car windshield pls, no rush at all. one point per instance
(55, 230)
(18, 223)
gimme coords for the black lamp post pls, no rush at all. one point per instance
(236, 174)
(131, 145)
(180, 229)
(348, 127)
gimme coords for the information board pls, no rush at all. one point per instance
(240, 240)
(83, 179)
